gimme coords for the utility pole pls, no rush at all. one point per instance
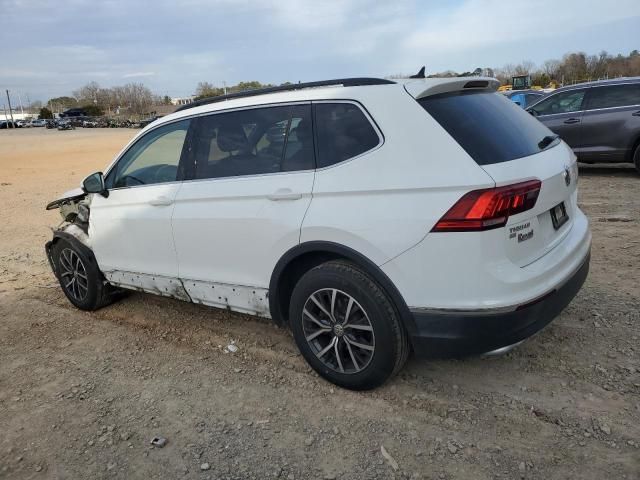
(10, 112)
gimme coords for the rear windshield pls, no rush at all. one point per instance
(489, 126)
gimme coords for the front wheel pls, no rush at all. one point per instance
(346, 327)
(636, 158)
(79, 276)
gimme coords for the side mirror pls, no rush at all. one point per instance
(94, 183)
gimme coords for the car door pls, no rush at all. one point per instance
(130, 229)
(252, 182)
(611, 122)
(562, 114)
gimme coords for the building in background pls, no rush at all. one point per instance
(182, 100)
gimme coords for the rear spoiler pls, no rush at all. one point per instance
(420, 88)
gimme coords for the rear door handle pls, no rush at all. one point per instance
(284, 194)
(572, 120)
(160, 201)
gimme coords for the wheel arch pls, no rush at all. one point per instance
(301, 258)
(635, 144)
(71, 236)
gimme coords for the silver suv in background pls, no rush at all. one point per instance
(599, 120)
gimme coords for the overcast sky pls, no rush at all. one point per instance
(49, 48)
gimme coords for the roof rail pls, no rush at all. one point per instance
(344, 82)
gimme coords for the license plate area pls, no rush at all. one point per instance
(559, 215)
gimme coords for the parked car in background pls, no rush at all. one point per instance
(147, 121)
(23, 123)
(65, 125)
(38, 123)
(524, 98)
(599, 120)
(89, 123)
(280, 203)
(6, 124)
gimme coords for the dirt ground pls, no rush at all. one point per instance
(82, 394)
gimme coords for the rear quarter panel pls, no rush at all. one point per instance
(385, 201)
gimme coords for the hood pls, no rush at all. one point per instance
(67, 197)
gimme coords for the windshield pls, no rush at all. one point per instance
(490, 127)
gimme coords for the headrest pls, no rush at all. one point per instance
(231, 138)
(303, 131)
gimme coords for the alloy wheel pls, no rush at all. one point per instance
(73, 274)
(338, 331)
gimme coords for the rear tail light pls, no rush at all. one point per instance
(489, 208)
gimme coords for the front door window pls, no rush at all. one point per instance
(154, 158)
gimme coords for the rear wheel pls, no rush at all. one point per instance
(79, 276)
(346, 326)
(636, 158)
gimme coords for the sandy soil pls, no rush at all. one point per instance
(82, 394)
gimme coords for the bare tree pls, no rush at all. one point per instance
(87, 94)
(551, 67)
(136, 97)
(206, 89)
(574, 67)
(525, 68)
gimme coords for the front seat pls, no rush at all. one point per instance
(302, 159)
(231, 139)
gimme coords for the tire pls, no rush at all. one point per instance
(636, 159)
(90, 293)
(372, 344)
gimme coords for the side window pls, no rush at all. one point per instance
(154, 158)
(564, 102)
(613, 96)
(342, 132)
(254, 141)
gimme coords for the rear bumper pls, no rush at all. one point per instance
(460, 333)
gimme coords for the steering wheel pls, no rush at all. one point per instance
(161, 168)
(126, 178)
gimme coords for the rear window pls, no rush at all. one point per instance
(490, 127)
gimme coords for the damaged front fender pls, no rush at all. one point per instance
(73, 234)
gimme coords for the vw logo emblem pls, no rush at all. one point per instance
(567, 176)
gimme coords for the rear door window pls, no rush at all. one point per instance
(253, 142)
(613, 96)
(343, 131)
(489, 126)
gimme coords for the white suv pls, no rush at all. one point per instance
(369, 216)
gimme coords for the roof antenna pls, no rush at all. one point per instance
(420, 74)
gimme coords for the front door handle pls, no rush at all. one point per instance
(161, 201)
(636, 114)
(572, 120)
(284, 194)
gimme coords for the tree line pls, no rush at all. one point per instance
(573, 68)
(132, 98)
(206, 89)
(137, 99)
